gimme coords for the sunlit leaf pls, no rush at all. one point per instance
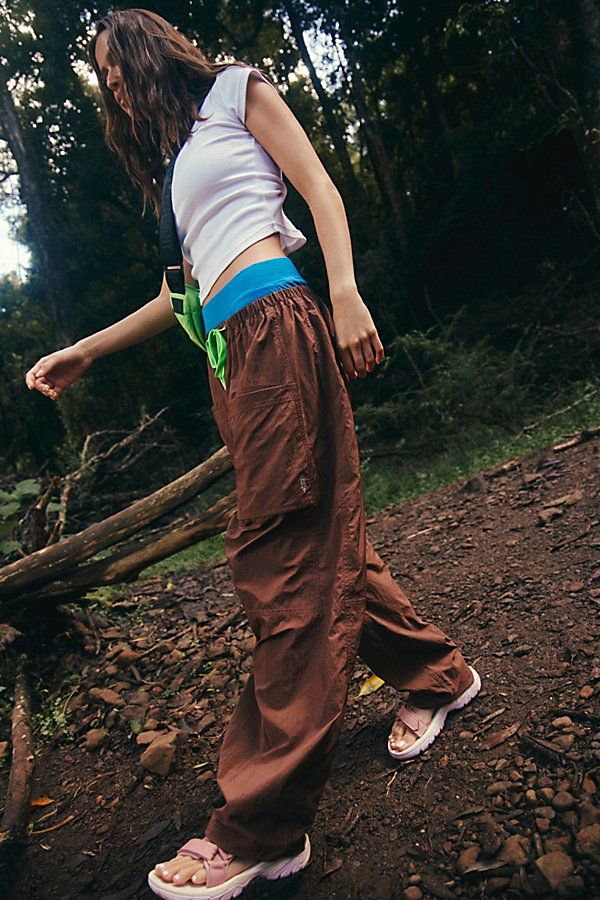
(42, 801)
(371, 685)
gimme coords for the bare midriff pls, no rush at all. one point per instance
(266, 248)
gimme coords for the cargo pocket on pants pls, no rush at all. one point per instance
(274, 465)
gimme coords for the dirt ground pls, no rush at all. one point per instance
(504, 803)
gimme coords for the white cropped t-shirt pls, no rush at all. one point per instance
(227, 192)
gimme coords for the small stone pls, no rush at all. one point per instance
(467, 858)
(94, 738)
(555, 868)
(205, 776)
(132, 713)
(559, 843)
(415, 879)
(588, 785)
(126, 656)
(531, 798)
(562, 722)
(563, 800)
(590, 814)
(491, 837)
(108, 696)
(515, 851)
(586, 692)
(412, 893)
(146, 737)
(587, 842)
(564, 741)
(547, 794)
(545, 812)
(542, 825)
(498, 788)
(159, 755)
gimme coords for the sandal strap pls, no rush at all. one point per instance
(216, 861)
(412, 721)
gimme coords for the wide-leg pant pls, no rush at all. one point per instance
(313, 588)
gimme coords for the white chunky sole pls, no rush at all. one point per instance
(233, 887)
(438, 721)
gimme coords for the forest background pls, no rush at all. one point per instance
(464, 138)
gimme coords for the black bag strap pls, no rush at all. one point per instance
(168, 240)
(169, 246)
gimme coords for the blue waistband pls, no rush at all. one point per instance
(249, 284)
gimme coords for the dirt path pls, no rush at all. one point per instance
(502, 804)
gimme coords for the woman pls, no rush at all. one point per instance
(314, 590)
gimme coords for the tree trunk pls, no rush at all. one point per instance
(429, 70)
(589, 21)
(353, 186)
(53, 281)
(377, 151)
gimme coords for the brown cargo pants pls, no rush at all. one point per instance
(313, 588)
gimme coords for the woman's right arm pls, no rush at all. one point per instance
(155, 316)
(52, 373)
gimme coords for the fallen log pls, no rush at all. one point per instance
(46, 565)
(126, 562)
(18, 795)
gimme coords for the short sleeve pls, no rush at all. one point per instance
(233, 85)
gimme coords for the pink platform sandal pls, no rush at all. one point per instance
(216, 862)
(426, 734)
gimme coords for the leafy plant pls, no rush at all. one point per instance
(11, 508)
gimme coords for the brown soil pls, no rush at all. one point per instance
(505, 801)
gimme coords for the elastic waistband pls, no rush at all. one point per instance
(247, 285)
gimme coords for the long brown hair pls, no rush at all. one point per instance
(163, 74)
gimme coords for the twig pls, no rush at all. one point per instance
(577, 537)
(54, 827)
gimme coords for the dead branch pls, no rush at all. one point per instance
(126, 562)
(582, 436)
(47, 564)
(88, 461)
(557, 412)
(18, 795)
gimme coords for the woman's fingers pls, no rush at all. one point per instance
(45, 387)
(36, 374)
(347, 361)
(360, 357)
(378, 348)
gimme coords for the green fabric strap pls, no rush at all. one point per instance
(216, 348)
(188, 312)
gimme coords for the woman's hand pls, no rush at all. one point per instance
(52, 373)
(356, 335)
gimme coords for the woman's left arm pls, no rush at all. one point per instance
(277, 129)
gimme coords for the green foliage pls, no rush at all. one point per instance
(443, 387)
(51, 716)
(392, 479)
(11, 508)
